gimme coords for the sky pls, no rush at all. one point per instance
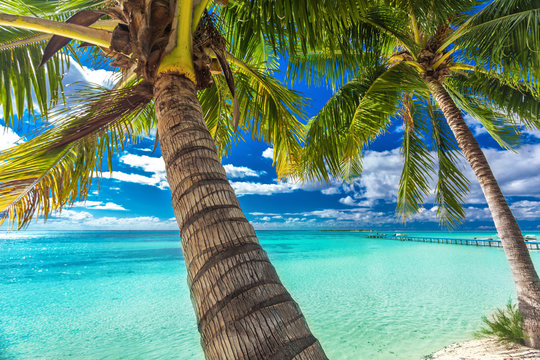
(136, 196)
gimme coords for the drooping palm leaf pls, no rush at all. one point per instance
(84, 17)
(24, 86)
(504, 37)
(358, 112)
(416, 176)
(516, 101)
(218, 114)
(285, 25)
(57, 165)
(452, 185)
(505, 130)
(270, 111)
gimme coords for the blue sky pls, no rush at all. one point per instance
(136, 195)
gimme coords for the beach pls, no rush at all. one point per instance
(124, 294)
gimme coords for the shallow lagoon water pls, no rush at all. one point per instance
(111, 295)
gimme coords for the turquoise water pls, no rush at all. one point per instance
(106, 295)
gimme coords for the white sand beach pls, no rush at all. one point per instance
(484, 349)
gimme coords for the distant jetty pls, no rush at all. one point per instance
(532, 245)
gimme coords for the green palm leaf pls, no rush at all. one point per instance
(56, 166)
(505, 130)
(416, 176)
(452, 185)
(505, 37)
(358, 112)
(516, 101)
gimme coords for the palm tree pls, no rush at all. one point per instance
(425, 64)
(193, 84)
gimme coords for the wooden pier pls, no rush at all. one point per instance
(531, 245)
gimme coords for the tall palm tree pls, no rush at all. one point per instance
(426, 64)
(192, 73)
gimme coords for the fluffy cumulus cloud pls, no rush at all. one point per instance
(517, 173)
(78, 74)
(154, 166)
(98, 205)
(268, 153)
(8, 138)
(332, 190)
(379, 181)
(241, 171)
(158, 176)
(348, 200)
(158, 180)
(72, 219)
(144, 162)
(242, 188)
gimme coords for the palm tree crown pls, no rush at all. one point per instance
(482, 53)
(55, 166)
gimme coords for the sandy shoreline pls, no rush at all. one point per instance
(484, 349)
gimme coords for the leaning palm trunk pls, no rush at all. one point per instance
(525, 276)
(243, 310)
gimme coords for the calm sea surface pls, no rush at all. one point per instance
(123, 295)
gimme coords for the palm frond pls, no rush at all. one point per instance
(24, 86)
(218, 114)
(269, 110)
(516, 101)
(452, 184)
(47, 8)
(505, 130)
(414, 183)
(56, 166)
(355, 115)
(505, 37)
(287, 25)
(431, 14)
(359, 46)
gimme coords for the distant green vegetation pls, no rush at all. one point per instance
(505, 324)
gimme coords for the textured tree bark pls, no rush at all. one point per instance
(242, 308)
(523, 271)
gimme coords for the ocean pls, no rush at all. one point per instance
(123, 295)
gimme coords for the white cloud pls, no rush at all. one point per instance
(73, 216)
(361, 216)
(149, 164)
(154, 180)
(347, 201)
(144, 162)
(8, 138)
(250, 188)
(78, 73)
(518, 174)
(99, 205)
(71, 219)
(268, 153)
(526, 210)
(333, 190)
(241, 171)
(257, 213)
(265, 218)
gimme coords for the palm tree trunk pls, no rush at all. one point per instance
(525, 276)
(243, 310)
